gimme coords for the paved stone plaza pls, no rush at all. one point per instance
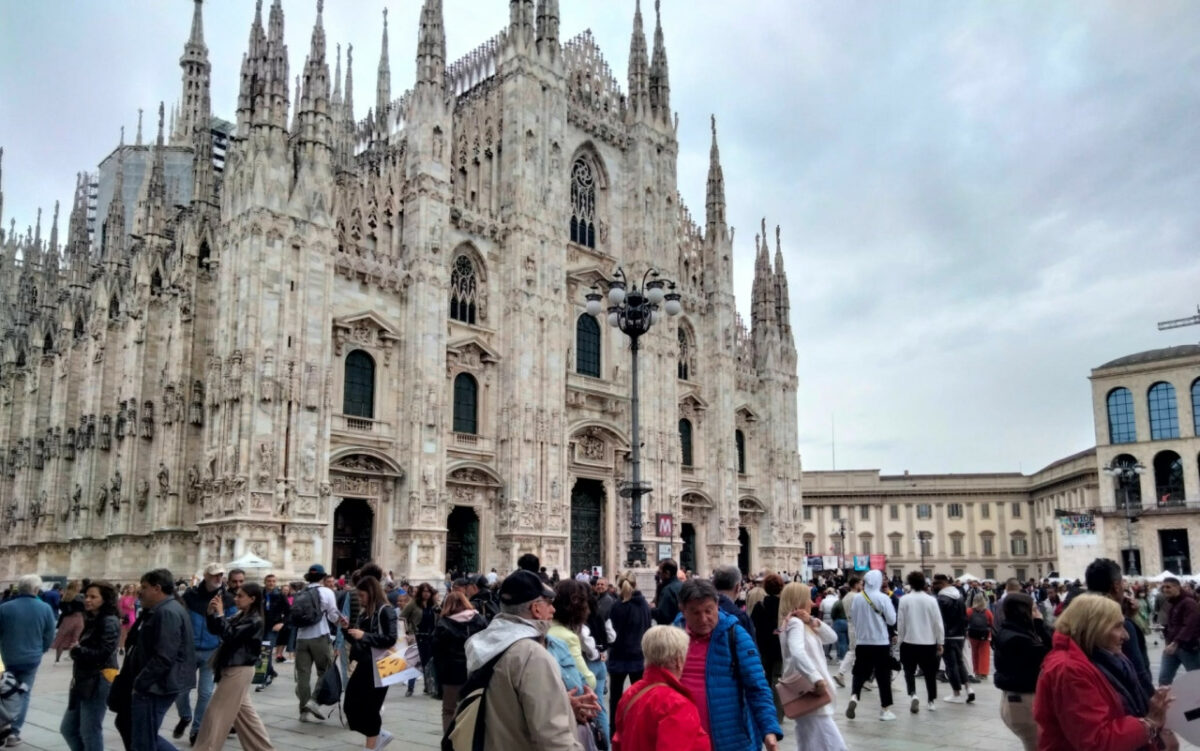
(416, 721)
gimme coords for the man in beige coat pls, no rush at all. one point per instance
(527, 705)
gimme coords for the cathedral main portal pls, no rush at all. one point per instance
(587, 528)
(462, 541)
(353, 525)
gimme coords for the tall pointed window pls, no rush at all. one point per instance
(685, 442)
(685, 354)
(583, 204)
(464, 290)
(1121, 425)
(114, 308)
(156, 282)
(78, 327)
(48, 344)
(466, 404)
(739, 438)
(358, 393)
(587, 346)
(1164, 417)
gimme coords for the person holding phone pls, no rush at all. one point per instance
(375, 629)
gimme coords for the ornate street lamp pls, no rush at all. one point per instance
(634, 310)
(1126, 475)
(922, 539)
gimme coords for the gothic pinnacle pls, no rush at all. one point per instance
(383, 81)
(639, 93)
(714, 203)
(431, 47)
(660, 87)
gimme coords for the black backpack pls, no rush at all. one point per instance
(468, 728)
(977, 625)
(306, 608)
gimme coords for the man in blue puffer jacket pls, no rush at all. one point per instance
(724, 674)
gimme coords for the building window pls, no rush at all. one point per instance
(1168, 478)
(898, 573)
(47, 344)
(466, 404)
(835, 512)
(583, 204)
(807, 513)
(985, 511)
(894, 511)
(78, 328)
(808, 547)
(114, 308)
(464, 290)
(1164, 419)
(685, 442)
(1196, 407)
(864, 513)
(1016, 509)
(924, 511)
(739, 440)
(358, 392)
(1131, 487)
(895, 545)
(864, 546)
(587, 346)
(958, 572)
(685, 354)
(925, 543)
(1121, 425)
(1019, 546)
(954, 510)
(988, 547)
(1020, 574)
(956, 545)
(989, 573)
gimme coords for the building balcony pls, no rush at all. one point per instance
(472, 443)
(362, 428)
(1166, 505)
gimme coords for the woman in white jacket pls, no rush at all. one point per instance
(802, 638)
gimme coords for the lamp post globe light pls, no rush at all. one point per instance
(921, 539)
(1127, 474)
(634, 310)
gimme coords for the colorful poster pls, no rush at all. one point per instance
(878, 562)
(815, 563)
(862, 562)
(1077, 530)
(829, 563)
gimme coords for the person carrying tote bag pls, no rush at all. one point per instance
(376, 629)
(802, 640)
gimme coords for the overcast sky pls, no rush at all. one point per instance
(980, 201)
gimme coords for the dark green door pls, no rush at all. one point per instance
(687, 556)
(744, 550)
(462, 540)
(587, 529)
(353, 523)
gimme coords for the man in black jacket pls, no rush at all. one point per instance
(161, 663)
(666, 603)
(954, 626)
(275, 610)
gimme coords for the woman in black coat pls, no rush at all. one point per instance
(233, 669)
(96, 653)
(766, 625)
(376, 629)
(630, 619)
(458, 623)
(1021, 644)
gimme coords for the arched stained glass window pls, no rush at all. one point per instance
(685, 442)
(740, 439)
(685, 354)
(1121, 425)
(464, 290)
(466, 404)
(358, 394)
(583, 204)
(1164, 417)
(587, 346)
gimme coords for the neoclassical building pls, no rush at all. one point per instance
(319, 336)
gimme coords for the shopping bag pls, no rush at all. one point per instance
(262, 665)
(391, 666)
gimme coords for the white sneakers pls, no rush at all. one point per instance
(932, 706)
(886, 716)
(314, 709)
(384, 738)
(955, 699)
(914, 704)
(851, 707)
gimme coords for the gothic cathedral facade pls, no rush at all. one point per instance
(366, 338)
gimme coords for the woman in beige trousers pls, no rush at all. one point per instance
(241, 642)
(1021, 645)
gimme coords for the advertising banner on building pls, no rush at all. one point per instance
(815, 563)
(1077, 530)
(829, 563)
(878, 562)
(862, 562)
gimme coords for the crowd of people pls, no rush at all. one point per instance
(583, 664)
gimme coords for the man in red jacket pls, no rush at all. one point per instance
(1182, 632)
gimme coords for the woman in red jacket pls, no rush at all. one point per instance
(1075, 705)
(657, 712)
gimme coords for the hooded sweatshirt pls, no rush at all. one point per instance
(499, 636)
(872, 612)
(954, 612)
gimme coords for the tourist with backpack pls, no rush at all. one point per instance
(313, 611)
(954, 625)
(196, 599)
(979, 633)
(458, 623)
(513, 697)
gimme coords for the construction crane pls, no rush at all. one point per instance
(1181, 322)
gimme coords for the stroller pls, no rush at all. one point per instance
(11, 691)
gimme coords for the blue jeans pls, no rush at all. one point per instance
(600, 670)
(24, 674)
(1189, 659)
(271, 637)
(204, 691)
(842, 628)
(146, 716)
(83, 723)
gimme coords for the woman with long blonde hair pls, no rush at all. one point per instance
(802, 641)
(629, 620)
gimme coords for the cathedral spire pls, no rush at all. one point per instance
(762, 293)
(276, 70)
(112, 232)
(53, 248)
(312, 125)
(383, 83)
(137, 139)
(431, 49)
(77, 232)
(153, 204)
(1, 190)
(251, 71)
(547, 25)
(521, 21)
(196, 71)
(714, 199)
(639, 91)
(660, 86)
(782, 305)
(336, 98)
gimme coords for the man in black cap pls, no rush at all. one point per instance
(482, 599)
(526, 706)
(313, 611)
